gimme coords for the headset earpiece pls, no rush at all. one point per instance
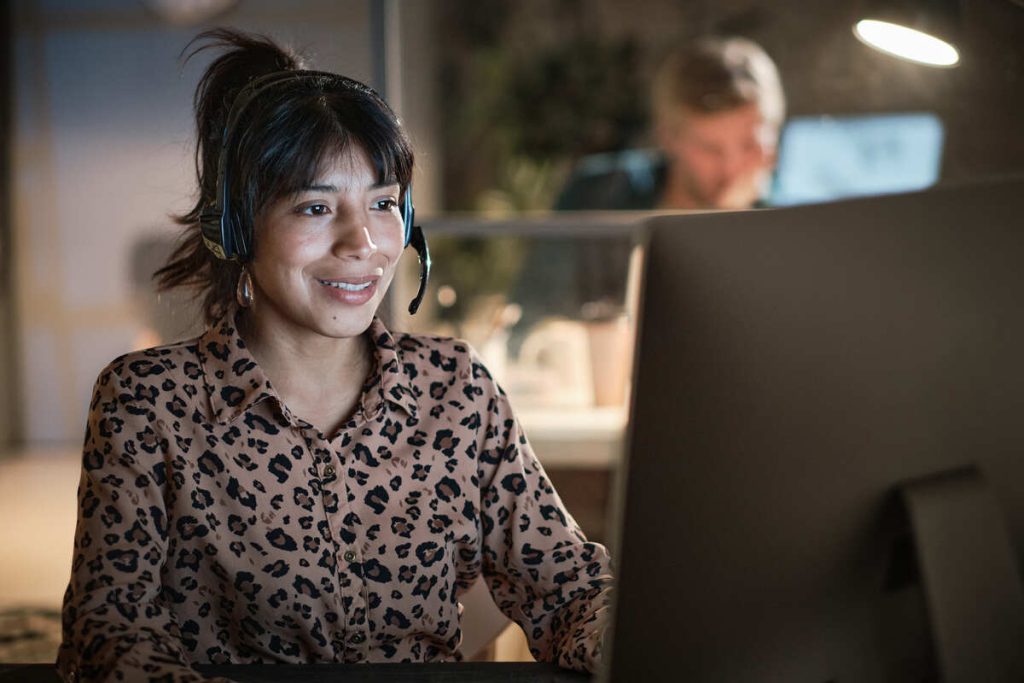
(209, 225)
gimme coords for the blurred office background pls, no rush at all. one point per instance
(501, 97)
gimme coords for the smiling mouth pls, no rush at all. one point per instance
(346, 286)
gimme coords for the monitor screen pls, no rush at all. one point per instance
(793, 368)
(824, 158)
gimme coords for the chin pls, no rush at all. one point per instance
(341, 326)
(318, 316)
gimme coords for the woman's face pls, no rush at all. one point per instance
(325, 256)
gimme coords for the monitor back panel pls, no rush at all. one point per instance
(793, 365)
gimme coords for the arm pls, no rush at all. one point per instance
(116, 620)
(541, 570)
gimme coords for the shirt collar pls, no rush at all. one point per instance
(235, 382)
(392, 380)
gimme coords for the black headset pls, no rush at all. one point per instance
(230, 238)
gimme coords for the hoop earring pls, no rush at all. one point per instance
(244, 292)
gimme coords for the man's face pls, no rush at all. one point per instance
(723, 158)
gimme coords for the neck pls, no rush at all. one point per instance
(319, 378)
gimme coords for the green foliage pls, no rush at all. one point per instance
(579, 97)
(520, 116)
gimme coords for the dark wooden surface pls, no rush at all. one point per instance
(466, 672)
(586, 493)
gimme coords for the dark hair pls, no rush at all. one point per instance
(277, 147)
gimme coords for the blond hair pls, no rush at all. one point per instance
(714, 75)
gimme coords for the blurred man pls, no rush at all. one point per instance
(717, 106)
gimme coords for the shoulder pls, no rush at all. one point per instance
(440, 356)
(627, 179)
(143, 372)
(622, 161)
(447, 376)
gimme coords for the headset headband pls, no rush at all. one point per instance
(223, 232)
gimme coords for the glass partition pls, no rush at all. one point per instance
(548, 303)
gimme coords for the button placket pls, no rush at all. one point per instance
(357, 640)
(329, 465)
(325, 472)
(350, 555)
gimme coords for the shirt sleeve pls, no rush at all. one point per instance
(541, 570)
(117, 625)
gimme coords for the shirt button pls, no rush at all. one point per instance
(329, 471)
(350, 556)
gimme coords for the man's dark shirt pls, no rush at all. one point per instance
(562, 275)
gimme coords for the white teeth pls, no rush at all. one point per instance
(346, 286)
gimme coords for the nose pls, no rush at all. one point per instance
(353, 240)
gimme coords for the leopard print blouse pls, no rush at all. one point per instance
(215, 526)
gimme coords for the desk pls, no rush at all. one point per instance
(584, 438)
(466, 672)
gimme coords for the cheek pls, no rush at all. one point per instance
(756, 154)
(702, 161)
(391, 243)
(281, 255)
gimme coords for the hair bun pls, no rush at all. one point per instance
(245, 57)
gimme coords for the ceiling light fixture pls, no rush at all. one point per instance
(920, 31)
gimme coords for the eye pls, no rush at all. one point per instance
(385, 204)
(315, 210)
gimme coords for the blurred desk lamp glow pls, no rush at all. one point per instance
(919, 31)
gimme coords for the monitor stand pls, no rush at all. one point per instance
(971, 582)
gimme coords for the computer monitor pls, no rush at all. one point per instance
(820, 395)
(825, 158)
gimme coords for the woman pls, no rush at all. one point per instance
(299, 484)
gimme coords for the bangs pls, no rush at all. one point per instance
(288, 150)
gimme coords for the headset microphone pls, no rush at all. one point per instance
(418, 242)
